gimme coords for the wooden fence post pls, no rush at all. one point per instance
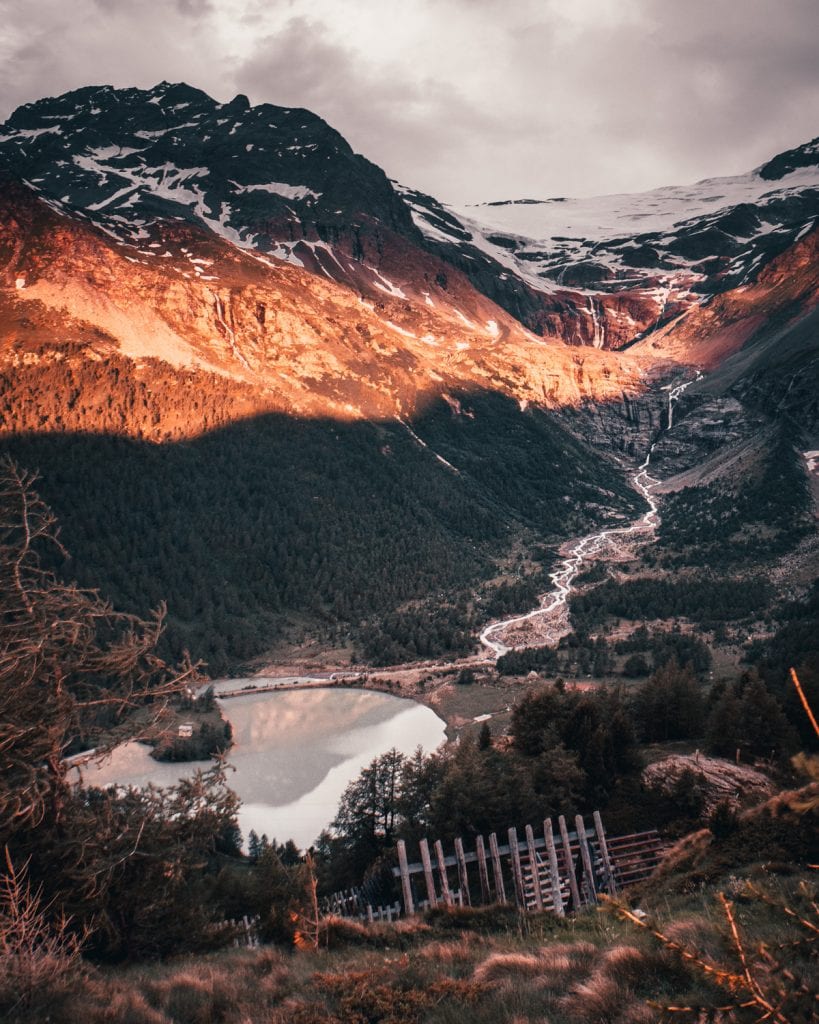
(567, 850)
(604, 853)
(554, 874)
(588, 870)
(439, 852)
(430, 883)
(463, 877)
(517, 874)
(406, 888)
(497, 871)
(483, 874)
(535, 868)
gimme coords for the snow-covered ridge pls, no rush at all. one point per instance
(606, 217)
(693, 240)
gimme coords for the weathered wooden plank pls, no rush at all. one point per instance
(451, 862)
(406, 888)
(517, 873)
(554, 874)
(636, 874)
(463, 877)
(604, 853)
(567, 851)
(615, 849)
(497, 871)
(445, 892)
(588, 870)
(483, 873)
(430, 882)
(650, 834)
(533, 864)
(370, 917)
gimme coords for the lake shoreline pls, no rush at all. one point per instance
(295, 753)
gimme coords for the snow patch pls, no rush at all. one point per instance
(386, 285)
(279, 188)
(400, 330)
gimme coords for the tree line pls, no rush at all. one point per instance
(252, 530)
(569, 752)
(578, 654)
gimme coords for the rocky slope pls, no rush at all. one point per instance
(279, 273)
(250, 247)
(606, 270)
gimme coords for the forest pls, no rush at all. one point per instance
(702, 596)
(251, 531)
(577, 654)
(727, 526)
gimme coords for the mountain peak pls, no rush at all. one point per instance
(238, 103)
(806, 155)
(131, 158)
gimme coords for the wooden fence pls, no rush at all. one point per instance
(246, 930)
(352, 908)
(559, 870)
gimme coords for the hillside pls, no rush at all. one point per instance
(349, 412)
(608, 270)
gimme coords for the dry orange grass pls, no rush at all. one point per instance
(130, 1007)
(581, 955)
(574, 981)
(600, 998)
(507, 967)
(452, 952)
(626, 963)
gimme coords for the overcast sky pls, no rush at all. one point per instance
(469, 100)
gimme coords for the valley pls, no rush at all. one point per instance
(425, 523)
(549, 620)
(374, 434)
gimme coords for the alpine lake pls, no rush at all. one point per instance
(294, 752)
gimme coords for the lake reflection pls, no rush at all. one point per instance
(294, 753)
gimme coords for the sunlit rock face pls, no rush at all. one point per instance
(170, 264)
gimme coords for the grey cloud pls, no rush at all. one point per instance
(408, 125)
(189, 8)
(53, 47)
(486, 99)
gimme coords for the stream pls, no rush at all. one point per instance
(554, 603)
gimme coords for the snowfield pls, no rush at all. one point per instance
(600, 218)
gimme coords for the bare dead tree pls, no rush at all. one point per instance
(65, 654)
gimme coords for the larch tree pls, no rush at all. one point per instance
(121, 864)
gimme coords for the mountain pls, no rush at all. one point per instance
(344, 407)
(164, 172)
(326, 425)
(608, 269)
(251, 246)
